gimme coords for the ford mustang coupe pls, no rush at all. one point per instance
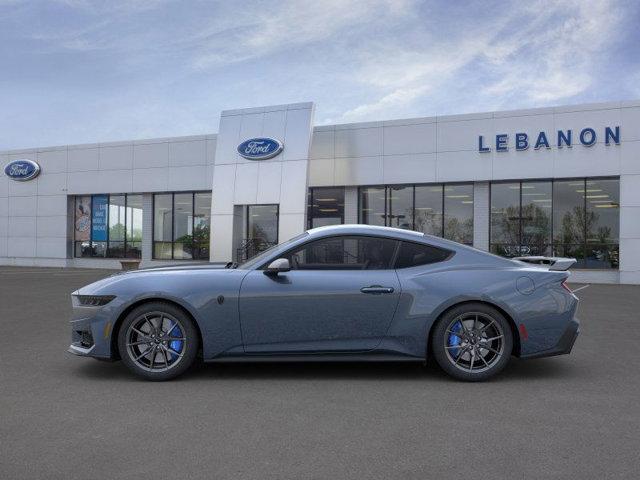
(339, 293)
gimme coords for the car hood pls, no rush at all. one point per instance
(149, 278)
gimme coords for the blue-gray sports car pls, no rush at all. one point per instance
(339, 293)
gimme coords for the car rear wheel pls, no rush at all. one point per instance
(472, 342)
(157, 341)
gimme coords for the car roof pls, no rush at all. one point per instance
(464, 253)
(376, 229)
(359, 229)
(396, 233)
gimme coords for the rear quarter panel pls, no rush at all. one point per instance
(429, 291)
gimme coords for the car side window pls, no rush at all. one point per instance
(344, 253)
(414, 254)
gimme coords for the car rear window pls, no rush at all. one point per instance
(414, 254)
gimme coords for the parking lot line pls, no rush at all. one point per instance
(580, 288)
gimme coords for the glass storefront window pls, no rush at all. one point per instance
(262, 225)
(567, 218)
(441, 210)
(505, 219)
(400, 207)
(602, 199)
(181, 225)
(108, 226)
(458, 213)
(325, 206)
(162, 226)
(536, 217)
(428, 209)
(373, 206)
(134, 226)
(82, 226)
(201, 225)
(117, 219)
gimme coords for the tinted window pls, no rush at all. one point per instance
(108, 226)
(325, 206)
(414, 254)
(372, 206)
(344, 253)
(458, 213)
(535, 213)
(181, 225)
(505, 219)
(428, 209)
(400, 207)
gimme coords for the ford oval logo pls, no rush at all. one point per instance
(22, 170)
(260, 148)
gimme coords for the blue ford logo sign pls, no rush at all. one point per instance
(260, 148)
(22, 170)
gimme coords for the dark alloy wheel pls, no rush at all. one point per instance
(472, 342)
(157, 341)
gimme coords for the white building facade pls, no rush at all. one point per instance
(552, 181)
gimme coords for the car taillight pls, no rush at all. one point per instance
(566, 287)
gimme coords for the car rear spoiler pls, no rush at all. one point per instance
(559, 264)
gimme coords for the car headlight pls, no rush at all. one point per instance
(93, 300)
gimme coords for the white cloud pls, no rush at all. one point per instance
(158, 68)
(544, 52)
(290, 23)
(555, 63)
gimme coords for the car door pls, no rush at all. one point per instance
(340, 296)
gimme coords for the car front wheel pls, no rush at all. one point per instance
(472, 342)
(157, 341)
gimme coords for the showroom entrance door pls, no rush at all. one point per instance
(261, 230)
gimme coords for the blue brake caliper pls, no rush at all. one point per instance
(455, 340)
(175, 345)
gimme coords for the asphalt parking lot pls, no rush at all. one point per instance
(64, 417)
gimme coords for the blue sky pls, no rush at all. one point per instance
(77, 71)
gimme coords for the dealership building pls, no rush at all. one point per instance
(561, 181)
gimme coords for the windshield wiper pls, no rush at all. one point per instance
(231, 265)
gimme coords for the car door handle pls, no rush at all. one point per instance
(376, 289)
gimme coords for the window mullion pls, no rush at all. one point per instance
(413, 208)
(585, 219)
(387, 208)
(520, 220)
(107, 216)
(442, 211)
(173, 222)
(126, 199)
(91, 226)
(193, 223)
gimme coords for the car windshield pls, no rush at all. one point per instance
(261, 257)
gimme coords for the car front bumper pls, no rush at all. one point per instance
(91, 330)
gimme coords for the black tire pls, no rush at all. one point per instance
(165, 363)
(458, 327)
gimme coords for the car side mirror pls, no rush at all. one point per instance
(277, 266)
